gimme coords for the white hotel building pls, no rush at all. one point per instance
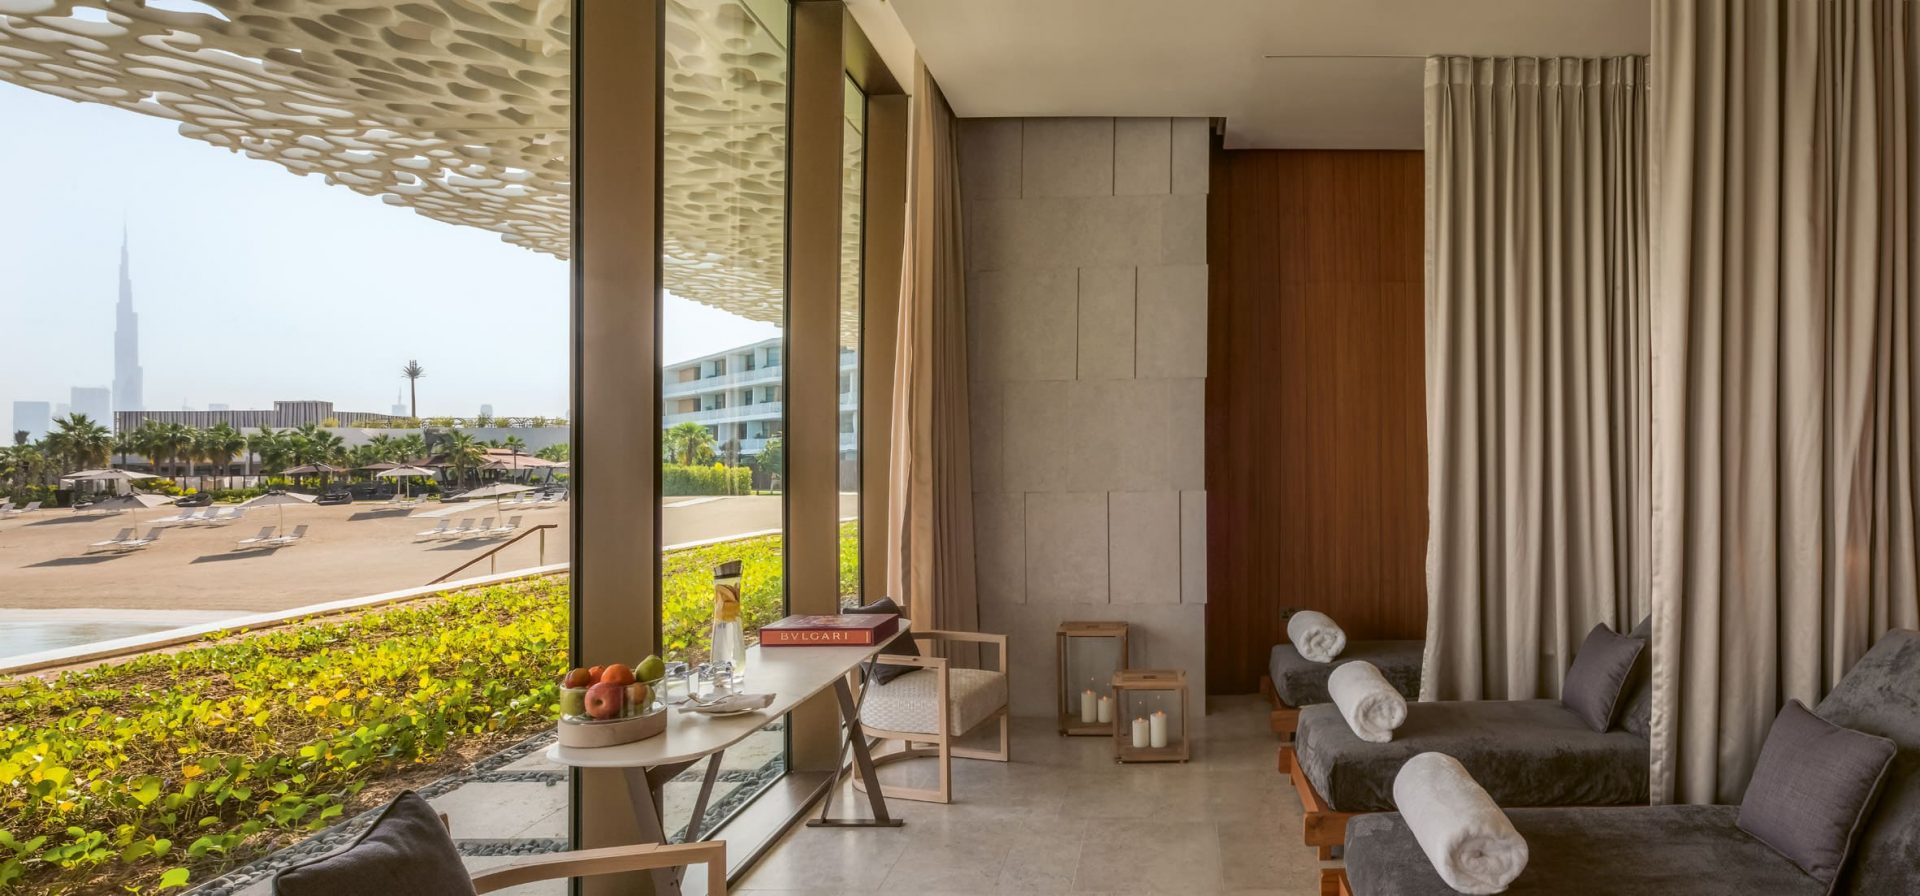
(739, 395)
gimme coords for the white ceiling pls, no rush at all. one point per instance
(1206, 57)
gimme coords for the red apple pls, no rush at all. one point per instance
(578, 678)
(618, 673)
(603, 700)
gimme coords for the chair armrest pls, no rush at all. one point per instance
(998, 641)
(609, 860)
(924, 662)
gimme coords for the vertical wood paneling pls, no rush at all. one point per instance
(1316, 428)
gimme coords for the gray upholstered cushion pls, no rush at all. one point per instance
(1301, 682)
(1645, 851)
(1638, 716)
(407, 850)
(1599, 676)
(1811, 789)
(1525, 752)
(1881, 695)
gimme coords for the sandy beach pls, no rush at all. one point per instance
(350, 551)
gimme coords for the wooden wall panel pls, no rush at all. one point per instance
(1316, 427)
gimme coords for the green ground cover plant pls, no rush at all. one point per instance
(164, 770)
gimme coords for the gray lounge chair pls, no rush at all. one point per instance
(1293, 681)
(1525, 752)
(1695, 850)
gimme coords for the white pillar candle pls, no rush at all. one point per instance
(1158, 728)
(1140, 735)
(1106, 710)
(1088, 711)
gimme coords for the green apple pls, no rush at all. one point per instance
(573, 702)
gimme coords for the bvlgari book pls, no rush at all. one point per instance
(853, 630)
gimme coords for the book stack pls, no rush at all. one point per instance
(847, 630)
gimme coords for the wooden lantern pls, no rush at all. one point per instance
(1089, 655)
(1150, 715)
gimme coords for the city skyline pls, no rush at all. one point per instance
(326, 303)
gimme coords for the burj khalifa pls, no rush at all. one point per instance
(128, 386)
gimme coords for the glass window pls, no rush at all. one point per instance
(723, 239)
(852, 237)
(257, 267)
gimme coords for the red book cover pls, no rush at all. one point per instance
(853, 630)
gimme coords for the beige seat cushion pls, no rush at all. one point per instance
(907, 703)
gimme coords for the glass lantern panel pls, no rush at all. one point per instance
(1144, 704)
(1091, 663)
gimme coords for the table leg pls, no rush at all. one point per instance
(700, 803)
(863, 762)
(666, 881)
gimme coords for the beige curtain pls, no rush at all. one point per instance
(930, 505)
(1536, 367)
(1783, 345)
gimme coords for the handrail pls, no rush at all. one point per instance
(493, 566)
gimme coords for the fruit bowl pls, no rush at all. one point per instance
(605, 705)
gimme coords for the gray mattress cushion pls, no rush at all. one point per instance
(1303, 682)
(1880, 695)
(1524, 752)
(1644, 851)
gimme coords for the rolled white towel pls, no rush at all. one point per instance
(1470, 842)
(1315, 636)
(1371, 706)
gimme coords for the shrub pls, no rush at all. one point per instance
(686, 589)
(146, 772)
(719, 479)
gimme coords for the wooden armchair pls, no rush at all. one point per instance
(610, 860)
(926, 710)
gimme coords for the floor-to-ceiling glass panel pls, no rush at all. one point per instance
(853, 172)
(723, 235)
(285, 322)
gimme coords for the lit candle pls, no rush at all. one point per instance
(1088, 711)
(1140, 735)
(1106, 710)
(1158, 734)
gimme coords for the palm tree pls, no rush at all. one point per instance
(381, 449)
(269, 447)
(516, 446)
(689, 443)
(79, 442)
(413, 372)
(218, 444)
(462, 454)
(410, 448)
(175, 443)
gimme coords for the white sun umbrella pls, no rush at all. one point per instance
(280, 500)
(132, 501)
(404, 473)
(106, 475)
(497, 489)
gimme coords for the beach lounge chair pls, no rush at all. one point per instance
(464, 529)
(433, 533)
(552, 500)
(136, 544)
(298, 533)
(6, 508)
(184, 518)
(512, 525)
(485, 528)
(223, 517)
(124, 536)
(1695, 850)
(265, 535)
(1525, 752)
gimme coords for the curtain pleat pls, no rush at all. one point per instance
(1783, 415)
(930, 503)
(1536, 367)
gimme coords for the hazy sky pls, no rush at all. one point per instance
(254, 284)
